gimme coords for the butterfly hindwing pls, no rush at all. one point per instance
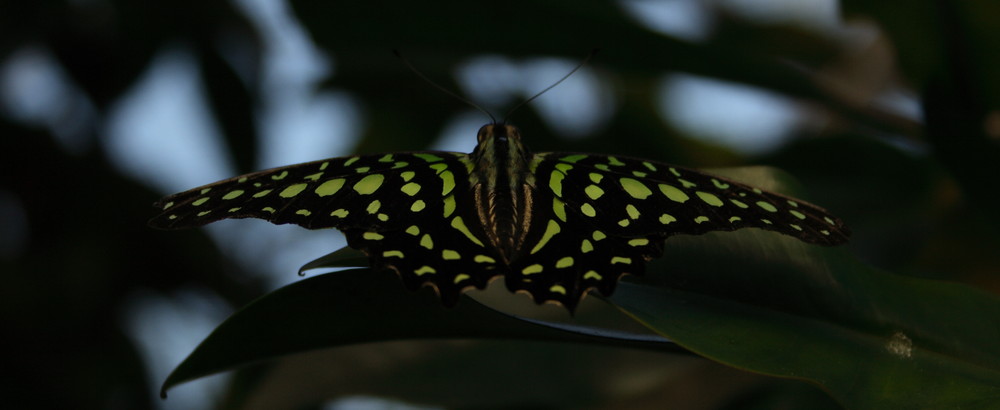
(441, 244)
(570, 256)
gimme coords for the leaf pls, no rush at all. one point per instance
(871, 339)
(360, 306)
(342, 258)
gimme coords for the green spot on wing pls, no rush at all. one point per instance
(418, 205)
(620, 259)
(329, 187)
(559, 208)
(450, 255)
(638, 242)
(428, 157)
(564, 262)
(449, 206)
(555, 182)
(767, 206)
(458, 224)
(447, 182)
(369, 184)
(593, 191)
(532, 269)
(632, 211)
(390, 254)
(424, 270)
(636, 189)
(709, 198)
(411, 188)
(293, 190)
(673, 193)
(550, 230)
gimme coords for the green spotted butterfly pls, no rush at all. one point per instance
(555, 225)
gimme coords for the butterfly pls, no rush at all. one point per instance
(554, 224)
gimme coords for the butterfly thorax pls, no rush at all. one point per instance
(502, 187)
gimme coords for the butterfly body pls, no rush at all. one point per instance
(503, 188)
(555, 225)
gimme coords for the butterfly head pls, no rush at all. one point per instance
(499, 133)
(500, 147)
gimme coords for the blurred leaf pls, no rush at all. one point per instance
(632, 52)
(873, 340)
(957, 106)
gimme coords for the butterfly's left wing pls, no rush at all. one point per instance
(409, 212)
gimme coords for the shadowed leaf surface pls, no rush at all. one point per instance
(870, 338)
(359, 306)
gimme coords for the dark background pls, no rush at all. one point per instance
(95, 307)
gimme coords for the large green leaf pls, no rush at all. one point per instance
(359, 306)
(873, 340)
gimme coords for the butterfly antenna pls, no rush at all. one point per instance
(539, 94)
(441, 88)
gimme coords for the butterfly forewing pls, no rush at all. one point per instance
(639, 198)
(359, 191)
